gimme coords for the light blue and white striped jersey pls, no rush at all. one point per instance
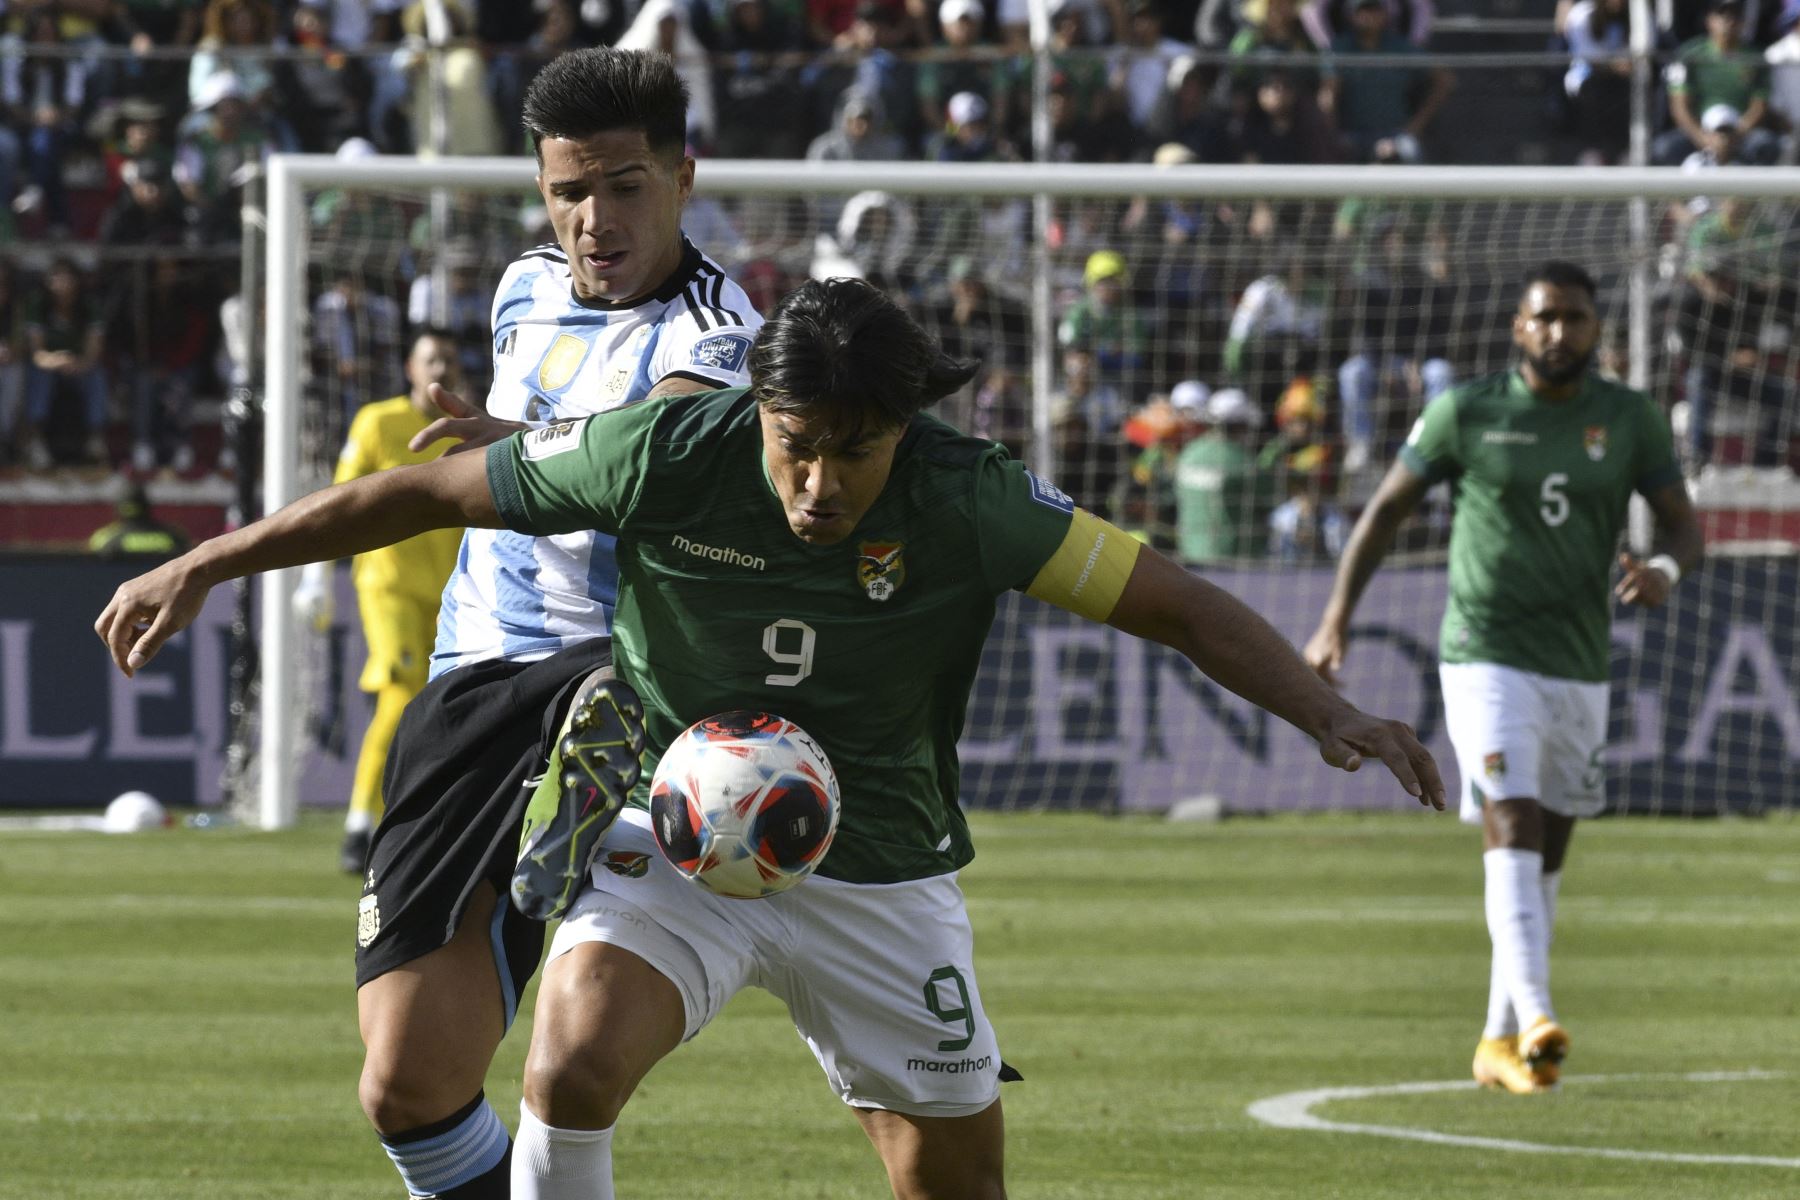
(556, 356)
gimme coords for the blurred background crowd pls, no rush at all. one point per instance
(1239, 367)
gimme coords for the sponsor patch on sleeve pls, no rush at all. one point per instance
(725, 352)
(1049, 495)
(558, 437)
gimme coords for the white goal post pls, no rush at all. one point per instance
(290, 179)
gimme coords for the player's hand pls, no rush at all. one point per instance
(147, 611)
(461, 420)
(1355, 736)
(312, 601)
(1642, 584)
(1324, 652)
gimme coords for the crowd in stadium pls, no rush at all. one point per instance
(128, 125)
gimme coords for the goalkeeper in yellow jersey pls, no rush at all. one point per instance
(397, 588)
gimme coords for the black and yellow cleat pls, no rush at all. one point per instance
(1542, 1048)
(593, 767)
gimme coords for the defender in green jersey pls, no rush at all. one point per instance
(1543, 461)
(818, 547)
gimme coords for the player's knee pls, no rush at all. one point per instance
(968, 1178)
(577, 1085)
(397, 1099)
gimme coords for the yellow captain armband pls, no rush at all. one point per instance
(1087, 573)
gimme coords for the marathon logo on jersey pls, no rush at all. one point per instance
(1049, 495)
(627, 864)
(1593, 440)
(724, 353)
(724, 554)
(558, 437)
(1494, 765)
(1508, 437)
(879, 568)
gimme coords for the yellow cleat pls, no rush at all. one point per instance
(1542, 1048)
(1498, 1065)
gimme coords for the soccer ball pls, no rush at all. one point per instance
(134, 812)
(744, 804)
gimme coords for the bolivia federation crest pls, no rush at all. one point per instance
(1493, 765)
(1593, 440)
(879, 568)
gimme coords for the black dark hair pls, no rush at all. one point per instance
(843, 348)
(436, 333)
(584, 92)
(1558, 272)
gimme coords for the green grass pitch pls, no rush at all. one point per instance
(177, 1019)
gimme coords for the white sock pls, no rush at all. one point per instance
(1519, 930)
(560, 1164)
(1502, 1021)
(1552, 886)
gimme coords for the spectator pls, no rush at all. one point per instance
(1140, 69)
(471, 125)
(968, 135)
(1220, 509)
(151, 211)
(43, 92)
(235, 38)
(1104, 323)
(1373, 106)
(760, 110)
(465, 311)
(1276, 329)
(1307, 526)
(1078, 84)
(137, 134)
(1185, 114)
(1783, 57)
(136, 531)
(1088, 459)
(664, 25)
(874, 240)
(1283, 126)
(1160, 430)
(1719, 69)
(161, 345)
(1325, 20)
(975, 323)
(327, 95)
(1083, 387)
(147, 25)
(357, 344)
(12, 364)
(1733, 314)
(1598, 81)
(881, 38)
(210, 162)
(1278, 33)
(958, 66)
(65, 383)
(859, 134)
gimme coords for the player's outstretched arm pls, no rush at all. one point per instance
(1234, 646)
(346, 519)
(1394, 501)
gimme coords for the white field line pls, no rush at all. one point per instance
(1293, 1110)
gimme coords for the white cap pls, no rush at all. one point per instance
(223, 86)
(1230, 406)
(353, 148)
(966, 108)
(134, 812)
(951, 10)
(1189, 396)
(1719, 116)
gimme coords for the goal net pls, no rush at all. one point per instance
(1221, 360)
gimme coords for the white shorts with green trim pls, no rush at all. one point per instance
(1519, 735)
(879, 978)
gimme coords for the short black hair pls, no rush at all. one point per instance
(841, 346)
(1559, 272)
(436, 333)
(584, 92)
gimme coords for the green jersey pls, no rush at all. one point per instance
(1541, 491)
(870, 645)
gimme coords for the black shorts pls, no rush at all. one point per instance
(455, 798)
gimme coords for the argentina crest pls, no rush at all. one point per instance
(879, 568)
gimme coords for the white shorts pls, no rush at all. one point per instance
(879, 978)
(1523, 736)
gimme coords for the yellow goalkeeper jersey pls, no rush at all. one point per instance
(419, 565)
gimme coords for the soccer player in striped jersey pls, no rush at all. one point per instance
(397, 587)
(815, 546)
(1543, 460)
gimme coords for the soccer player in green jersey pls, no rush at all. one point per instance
(818, 547)
(1543, 460)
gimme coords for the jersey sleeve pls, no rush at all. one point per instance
(1432, 449)
(577, 474)
(710, 342)
(1656, 465)
(358, 455)
(1033, 537)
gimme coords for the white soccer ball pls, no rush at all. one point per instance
(134, 812)
(745, 804)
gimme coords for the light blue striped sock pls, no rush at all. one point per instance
(468, 1145)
